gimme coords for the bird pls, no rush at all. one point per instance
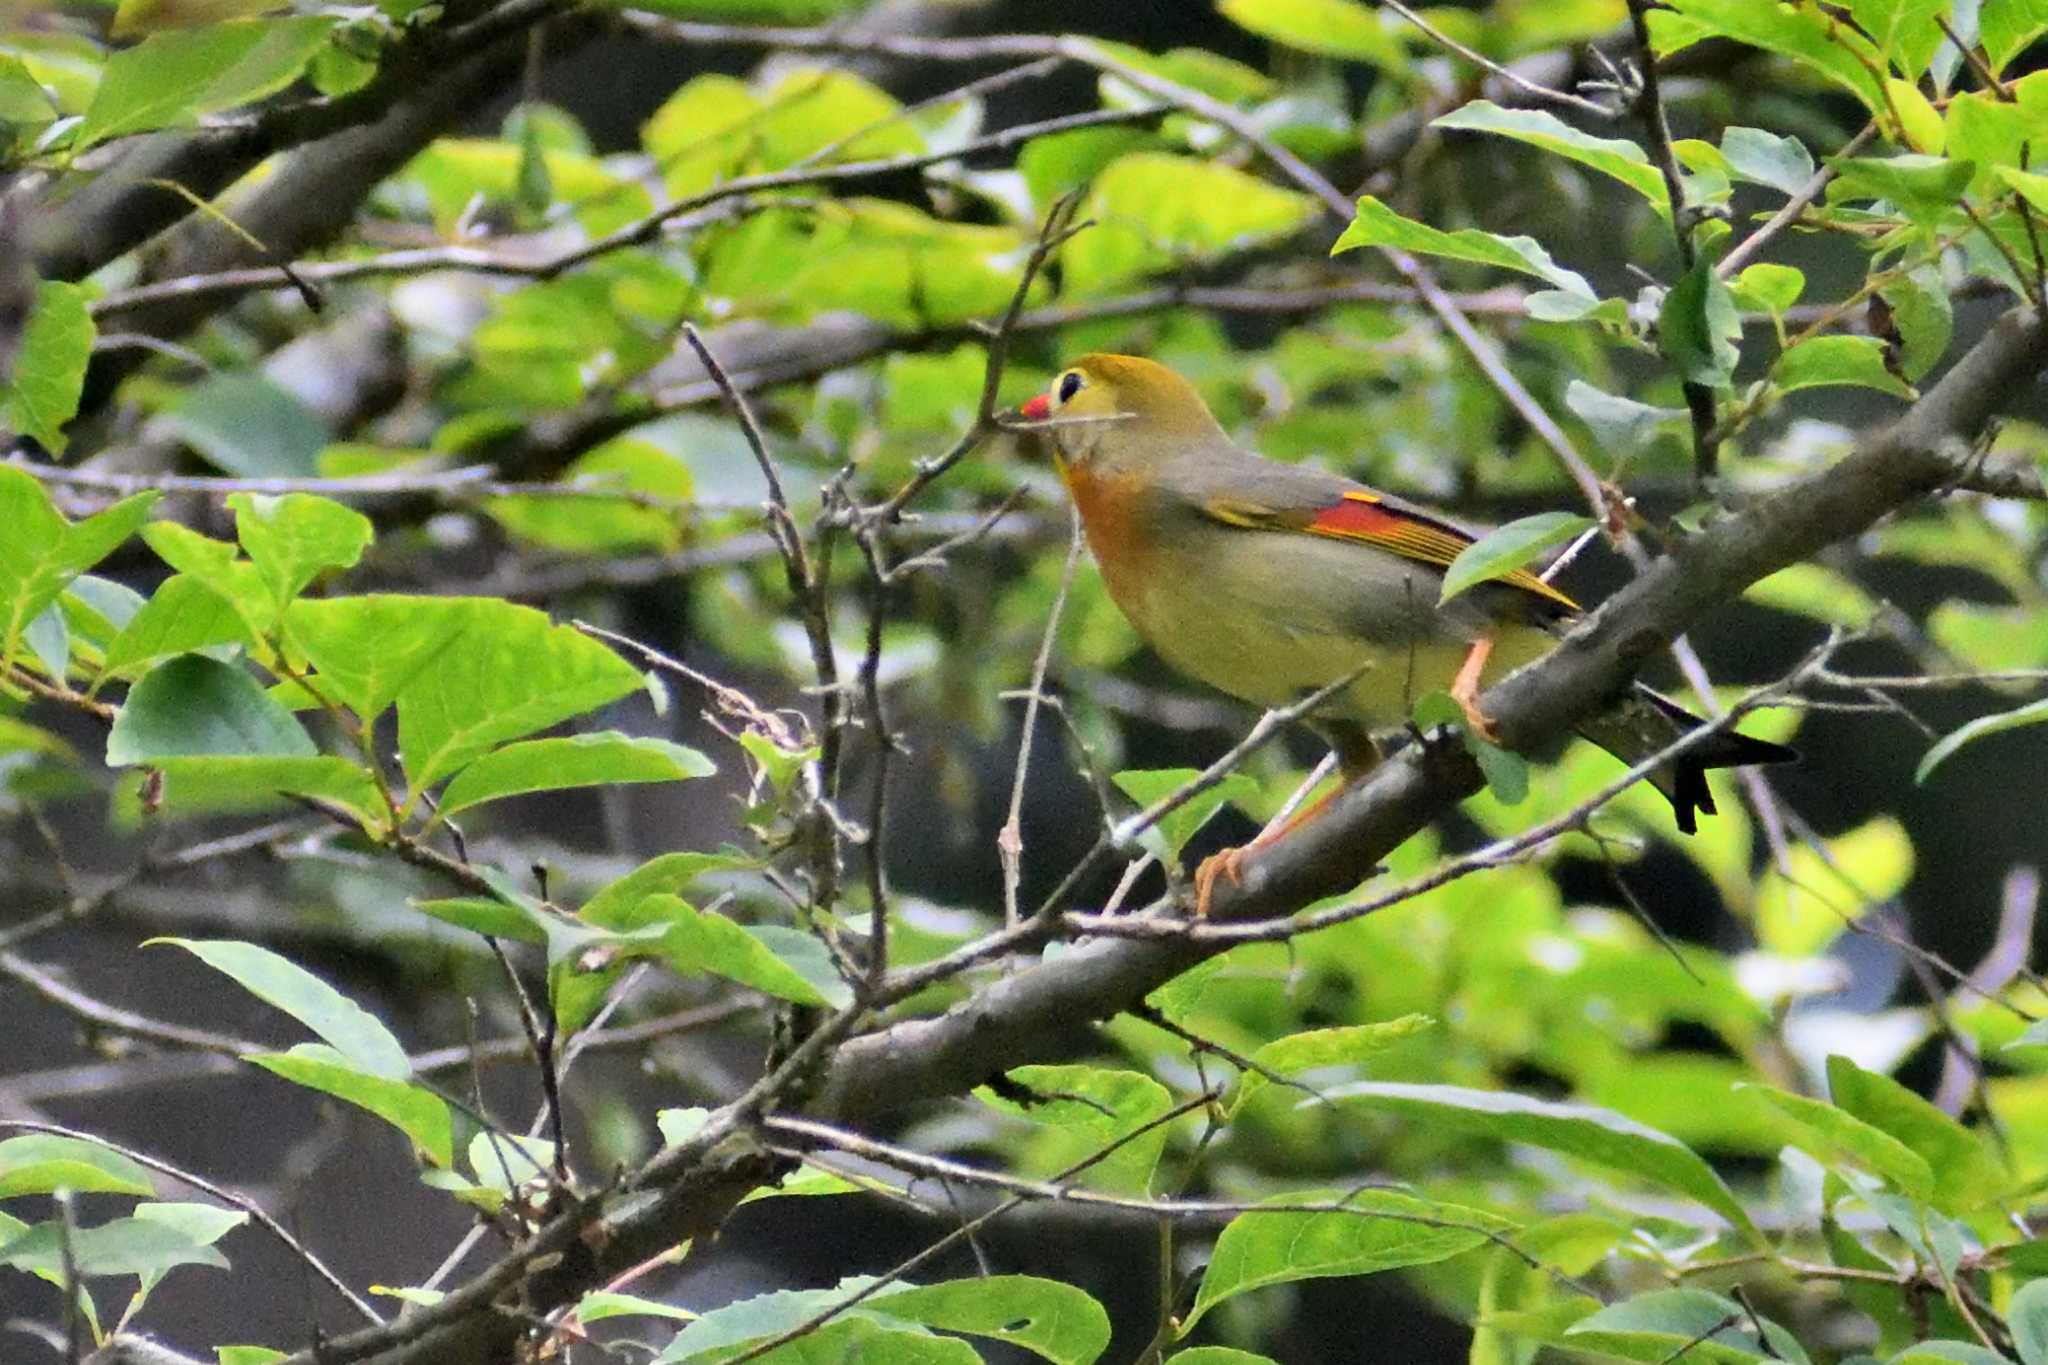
(1270, 581)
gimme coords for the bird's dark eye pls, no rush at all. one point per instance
(1070, 384)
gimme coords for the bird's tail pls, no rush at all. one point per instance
(1647, 721)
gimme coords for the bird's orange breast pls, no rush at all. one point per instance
(1117, 536)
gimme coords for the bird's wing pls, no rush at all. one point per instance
(1344, 511)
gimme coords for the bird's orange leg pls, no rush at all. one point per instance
(1230, 862)
(1465, 689)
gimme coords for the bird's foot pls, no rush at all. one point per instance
(1476, 720)
(1229, 863)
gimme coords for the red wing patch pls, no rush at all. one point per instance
(1361, 516)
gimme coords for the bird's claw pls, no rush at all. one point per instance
(1229, 863)
(1476, 720)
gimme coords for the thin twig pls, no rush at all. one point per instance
(1739, 255)
(1010, 839)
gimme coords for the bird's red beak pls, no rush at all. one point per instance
(1036, 409)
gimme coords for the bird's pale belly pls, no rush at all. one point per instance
(1266, 655)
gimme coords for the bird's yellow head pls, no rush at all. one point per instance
(1121, 406)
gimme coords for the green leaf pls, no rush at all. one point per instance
(1378, 1230)
(1081, 1111)
(1699, 330)
(503, 1162)
(1818, 361)
(358, 1039)
(1924, 318)
(1347, 1046)
(214, 564)
(219, 781)
(1177, 826)
(367, 650)
(528, 922)
(1579, 1130)
(247, 1355)
(1378, 225)
(41, 392)
(42, 1163)
(580, 761)
(1815, 592)
(505, 673)
(2027, 1316)
(2006, 28)
(1771, 288)
(1924, 188)
(1802, 33)
(1329, 28)
(1616, 157)
(612, 905)
(1052, 1320)
(1155, 211)
(41, 552)
(1829, 1133)
(293, 539)
(49, 641)
(600, 1304)
(183, 616)
(864, 1333)
(1507, 772)
(125, 1246)
(203, 1224)
(1904, 30)
(2033, 713)
(1947, 1353)
(1513, 546)
(1664, 1323)
(596, 525)
(1060, 163)
(194, 707)
(1218, 1355)
(706, 941)
(23, 101)
(97, 609)
(1825, 888)
(247, 425)
(1623, 426)
(2036, 1035)
(1966, 1174)
(412, 1109)
(173, 78)
(1762, 158)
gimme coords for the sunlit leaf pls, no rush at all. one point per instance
(1332, 28)
(601, 759)
(173, 78)
(1513, 546)
(1378, 225)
